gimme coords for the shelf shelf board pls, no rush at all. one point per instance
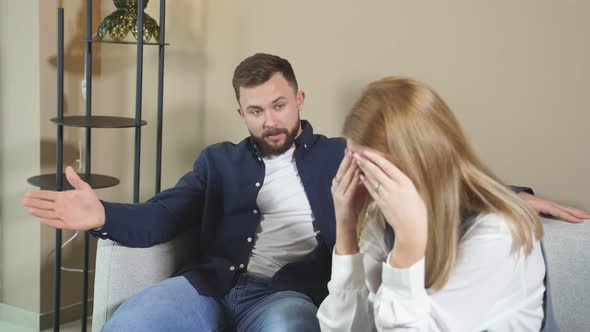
(97, 121)
(96, 181)
(122, 42)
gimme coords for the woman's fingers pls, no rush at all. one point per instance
(386, 166)
(369, 186)
(375, 176)
(348, 177)
(354, 184)
(344, 164)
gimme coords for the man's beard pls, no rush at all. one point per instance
(272, 150)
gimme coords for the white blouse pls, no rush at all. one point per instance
(491, 288)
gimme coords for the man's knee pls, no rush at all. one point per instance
(291, 314)
(171, 305)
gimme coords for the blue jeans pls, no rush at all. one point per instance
(174, 305)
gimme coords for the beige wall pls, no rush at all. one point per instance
(515, 73)
(19, 159)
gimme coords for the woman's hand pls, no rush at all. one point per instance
(349, 196)
(400, 203)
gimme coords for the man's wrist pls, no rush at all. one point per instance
(102, 219)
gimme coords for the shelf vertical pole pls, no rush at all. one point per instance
(88, 155)
(161, 54)
(138, 101)
(59, 167)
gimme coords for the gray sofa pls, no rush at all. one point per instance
(123, 271)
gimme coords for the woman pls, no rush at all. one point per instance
(466, 255)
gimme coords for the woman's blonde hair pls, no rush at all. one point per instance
(414, 127)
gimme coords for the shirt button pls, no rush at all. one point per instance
(305, 146)
(249, 239)
(231, 268)
(255, 211)
(241, 266)
(257, 184)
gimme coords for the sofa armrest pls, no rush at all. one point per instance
(122, 271)
(567, 251)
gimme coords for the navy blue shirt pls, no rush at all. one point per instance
(218, 198)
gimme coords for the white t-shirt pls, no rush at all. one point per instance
(491, 288)
(285, 233)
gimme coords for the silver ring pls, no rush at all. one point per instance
(377, 186)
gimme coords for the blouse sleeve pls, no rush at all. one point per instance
(347, 306)
(355, 279)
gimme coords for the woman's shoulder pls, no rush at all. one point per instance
(487, 224)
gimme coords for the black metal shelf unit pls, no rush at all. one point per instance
(88, 121)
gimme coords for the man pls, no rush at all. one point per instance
(263, 211)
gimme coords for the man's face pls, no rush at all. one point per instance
(271, 113)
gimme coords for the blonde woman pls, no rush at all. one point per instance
(466, 254)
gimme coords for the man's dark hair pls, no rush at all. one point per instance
(258, 69)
